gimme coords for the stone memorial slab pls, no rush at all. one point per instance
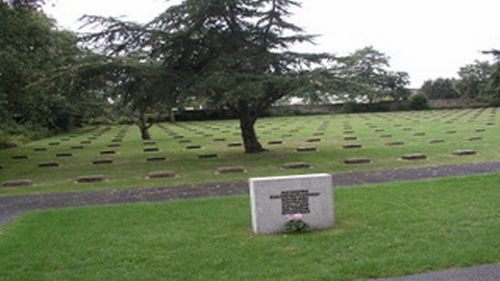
(395, 143)
(306, 149)
(275, 142)
(228, 170)
(16, 183)
(38, 149)
(102, 161)
(156, 159)
(193, 147)
(436, 141)
(20, 157)
(414, 156)
(54, 143)
(107, 152)
(236, 144)
(64, 154)
(74, 147)
(474, 138)
(296, 165)
(314, 140)
(351, 146)
(149, 143)
(161, 174)
(48, 165)
(464, 152)
(350, 138)
(85, 142)
(151, 149)
(274, 199)
(114, 145)
(357, 160)
(90, 179)
(207, 156)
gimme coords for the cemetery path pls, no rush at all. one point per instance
(11, 206)
(489, 272)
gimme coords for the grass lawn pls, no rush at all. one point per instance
(383, 230)
(373, 131)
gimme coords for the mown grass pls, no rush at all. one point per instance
(130, 166)
(384, 230)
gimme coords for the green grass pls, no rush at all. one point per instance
(130, 165)
(383, 230)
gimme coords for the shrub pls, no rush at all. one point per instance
(419, 101)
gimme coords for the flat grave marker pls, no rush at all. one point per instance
(297, 165)
(48, 165)
(161, 174)
(357, 160)
(90, 179)
(102, 161)
(16, 183)
(228, 170)
(414, 156)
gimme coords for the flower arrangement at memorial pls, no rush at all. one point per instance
(296, 223)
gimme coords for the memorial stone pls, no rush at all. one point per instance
(274, 199)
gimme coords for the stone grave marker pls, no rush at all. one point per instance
(16, 183)
(306, 149)
(156, 159)
(90, 179)
(464, 152)
(351, 146)
(357, 160)
(64, 154)
(48, 165)
(414, 156)
(20, 157)
(236, 144)
(207, 156)
(161, 174)
(102, 161)
(38, 149)
(274, 199)
(296, 165)
(227, 170)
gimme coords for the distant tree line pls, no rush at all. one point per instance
(478, 81)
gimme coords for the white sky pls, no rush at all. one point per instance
(426, 38)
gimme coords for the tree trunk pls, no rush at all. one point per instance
(250, 141)
(143, 126)
(144, 133)
(171, 115)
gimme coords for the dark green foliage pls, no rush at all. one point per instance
(419, 101)
(297, 226)
(474, 80)
(366, 77)
(30, 50)
(441, 88)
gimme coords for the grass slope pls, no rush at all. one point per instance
(383, 230)
(130, 165)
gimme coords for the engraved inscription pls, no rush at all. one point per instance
(294, 201)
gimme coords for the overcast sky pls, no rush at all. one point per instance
(426, 38)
